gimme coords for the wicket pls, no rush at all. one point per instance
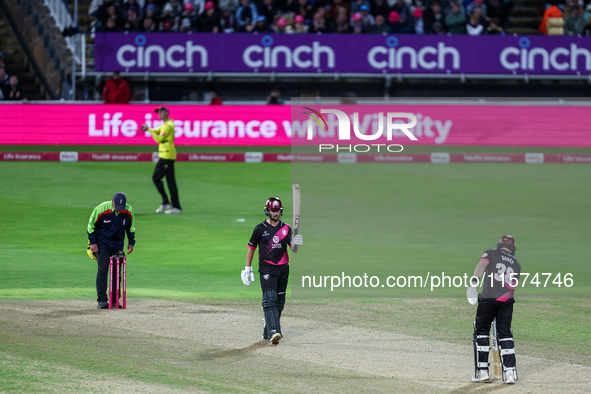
(120, 263)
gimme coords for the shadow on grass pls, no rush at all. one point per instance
(480, 388)
(233, 353)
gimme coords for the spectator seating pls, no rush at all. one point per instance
(302, 16)
(14, 63)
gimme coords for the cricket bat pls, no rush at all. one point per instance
(296, 211)
(494, 344)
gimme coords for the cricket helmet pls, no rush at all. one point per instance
(273, 204)
(507, 241)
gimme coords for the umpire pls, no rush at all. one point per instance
(502, 272)
(164, 136)
(107, 226)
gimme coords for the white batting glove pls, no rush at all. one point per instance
(247, 275)
(472, 295)
(297, 240)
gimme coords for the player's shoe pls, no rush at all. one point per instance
(481, 376)
(275, 338)
(163, 208)
(172, 210)
(510, 377)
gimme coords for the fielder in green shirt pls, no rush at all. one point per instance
(164, 136)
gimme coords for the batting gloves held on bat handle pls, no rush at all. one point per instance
(247, 275)
(297, 240)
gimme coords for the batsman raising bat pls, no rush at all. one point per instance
(501, 276)
(272, 237)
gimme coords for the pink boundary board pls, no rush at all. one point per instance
(259, 157)
(93, 124)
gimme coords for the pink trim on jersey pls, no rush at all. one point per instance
(282, 233)
(505, 297)
(484, 258)
(507, 285)
(284, 260)
(250, 247)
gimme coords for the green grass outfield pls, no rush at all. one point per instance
(197, 256)
(426, 219)
(450, 212)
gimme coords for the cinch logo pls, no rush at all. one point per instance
(428, 58)
(177, 56)
(560, 58)
(302, 57)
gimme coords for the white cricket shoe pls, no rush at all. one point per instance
(481, 376)
(275, 338)
(510, 377)
(172, 210)
(163, 208)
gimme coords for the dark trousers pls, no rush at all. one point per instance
(102, 277)
(488, 310)
(274, 279)
(165, 168)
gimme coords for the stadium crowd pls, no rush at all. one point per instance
(472, 17)
(9, 86)
(567, 17)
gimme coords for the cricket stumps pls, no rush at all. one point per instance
(120, 281)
